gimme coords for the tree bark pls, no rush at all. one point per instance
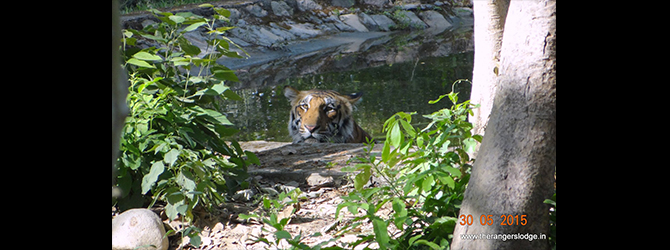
(514, 171)
(119, 88)
(490, 19)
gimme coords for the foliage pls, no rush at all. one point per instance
(277, 214)
(426, 172)
(172, 146)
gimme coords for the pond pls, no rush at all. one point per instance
(396, 72)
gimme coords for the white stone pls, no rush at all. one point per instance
(138, 227)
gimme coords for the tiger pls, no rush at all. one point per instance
(323, 116)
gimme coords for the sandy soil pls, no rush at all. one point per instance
(315, 169)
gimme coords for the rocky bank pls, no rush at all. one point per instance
(294, 32)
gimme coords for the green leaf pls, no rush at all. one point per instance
(222, 11)
(171, 157)
(186, 179)
(479, 138)
(188, 48)
(140, 63)
(453, 171)
(226, 75)
(171, 211)
(195, 240)
(282, 235)
(395, 137)
(381, 233)
(550, 202)
(147, 57)
(218, 117)
(428, 183)
(232, 95)
(363, 177)
(149, 179)
(408, 128)
(428, 243)
(194, 26)
(386, 152)
(453, 97)
(438, 99)
(252, 157)
(400, 212)
(470, 145)
(177, 19)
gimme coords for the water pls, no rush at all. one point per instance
(396, 72)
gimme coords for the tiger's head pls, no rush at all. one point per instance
(323, 116)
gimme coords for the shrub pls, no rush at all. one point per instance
(426, 172)
(172, 147)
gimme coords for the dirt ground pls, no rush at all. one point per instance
(315, 169)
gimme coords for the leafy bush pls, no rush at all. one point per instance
(426, 172)
(172, 146)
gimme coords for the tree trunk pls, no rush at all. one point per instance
(119, 87)
(514, 171)
(490, 19)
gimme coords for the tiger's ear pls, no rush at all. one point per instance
(355, 98)
(290, 92)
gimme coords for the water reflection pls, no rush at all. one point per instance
(263, 115)
(402, 73)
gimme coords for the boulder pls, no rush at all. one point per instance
(138, 229)
(338, 23)
(256, 10)
(383, 22)
(280, 8)
(435, 21)
(376, 3)
(303, 30)
(353, 21)
(305, 5)
(369, 23)
(411, 20)
(343, 3)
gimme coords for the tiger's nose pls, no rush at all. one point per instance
(310, 128)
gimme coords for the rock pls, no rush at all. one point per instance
(343, 3)
(281, 8)
(138, 227)
(316, 180)
(303, 30)
(435, 20)
(410, 6)
(244, 195)
(383, 22)
(410, 19)
(281, 32)
(256, 10)
(369, 23)
(305, 5)
(338, 23)
(463, 11)
(353, 21)
(377, 3)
